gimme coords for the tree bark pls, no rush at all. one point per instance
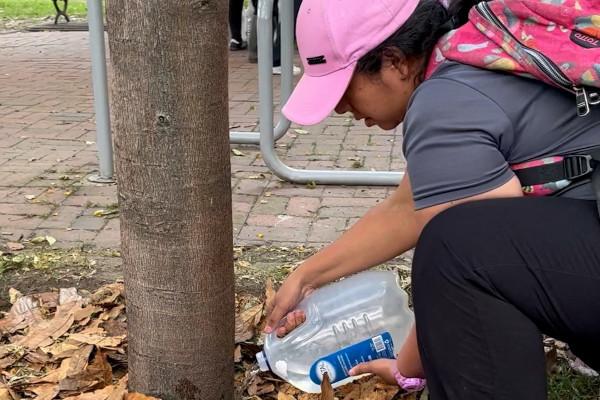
(170, 119)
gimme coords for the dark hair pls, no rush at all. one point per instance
(419, 34)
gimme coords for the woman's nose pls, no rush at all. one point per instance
(342, 107)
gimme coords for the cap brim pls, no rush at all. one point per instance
(315, 97)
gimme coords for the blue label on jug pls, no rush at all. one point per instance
(339, 363)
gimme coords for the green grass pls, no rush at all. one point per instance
(568, 385)
(30, 9)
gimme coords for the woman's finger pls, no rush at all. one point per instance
(362, 368)
(292, 320)
(274, 316)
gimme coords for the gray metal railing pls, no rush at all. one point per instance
(100, 85)
(265, 89)
(268, 133)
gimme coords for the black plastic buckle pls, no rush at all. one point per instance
(577, 165)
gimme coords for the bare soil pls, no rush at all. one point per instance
(43, 268)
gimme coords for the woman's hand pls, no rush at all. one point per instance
(291, 292)
(408, 362)
(382, 367)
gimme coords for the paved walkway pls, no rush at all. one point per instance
(47, 151)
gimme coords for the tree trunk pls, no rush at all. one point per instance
(170, 119)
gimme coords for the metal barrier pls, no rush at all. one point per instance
(99, 82)
(268, 134)
(265, 91)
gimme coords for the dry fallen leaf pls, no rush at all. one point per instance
(46, 332)
(261, 389)
(98, 340)
(237, 354)
(283, 396)
(83, 376)
(269, 292)
(25, 311)
(326, 389)
(138, 396)
(371, 386)
(113, 328)
(40, 239)
(246, 322)
(288, 389)
(38, 359)
(105, 213)
(112, 392)
(236, 152)
(60, 349)
(259, 176)
(46, 391)
(56, 375)
(14, 246)
(14, 295)
(107, 295)
(551, 358)
(69, 295)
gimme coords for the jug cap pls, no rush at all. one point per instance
(263, 364)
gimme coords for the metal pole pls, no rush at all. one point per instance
(287, 79)
(265, 91)
(286, 20)
(254, 137)
(100, 85)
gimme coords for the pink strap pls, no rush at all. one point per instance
(408, 384)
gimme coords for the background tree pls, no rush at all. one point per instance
(170, 119)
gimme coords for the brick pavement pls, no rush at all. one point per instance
(47, 142)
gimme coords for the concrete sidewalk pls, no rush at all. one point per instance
(47, 151)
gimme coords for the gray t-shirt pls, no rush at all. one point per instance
(465, 125)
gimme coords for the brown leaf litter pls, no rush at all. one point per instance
(251, 384)
(65, 345)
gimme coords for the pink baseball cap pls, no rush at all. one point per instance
(332, 36)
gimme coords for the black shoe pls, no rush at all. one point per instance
(234, 45)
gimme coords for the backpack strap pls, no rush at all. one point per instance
(568, 168)
(596, 176)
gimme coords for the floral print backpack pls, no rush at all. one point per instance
(555, 41)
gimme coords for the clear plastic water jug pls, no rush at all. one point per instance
(357, 319)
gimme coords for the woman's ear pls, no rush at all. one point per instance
(393, 58)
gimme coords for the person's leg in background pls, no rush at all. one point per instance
(235, 25)
(489, 277)
(276, 36)
(252, 53)
(277, 41)
(252, 39)
(297, 4)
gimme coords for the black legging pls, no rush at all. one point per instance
(489, 277)
(235, 19)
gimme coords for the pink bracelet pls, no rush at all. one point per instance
(408, 384)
